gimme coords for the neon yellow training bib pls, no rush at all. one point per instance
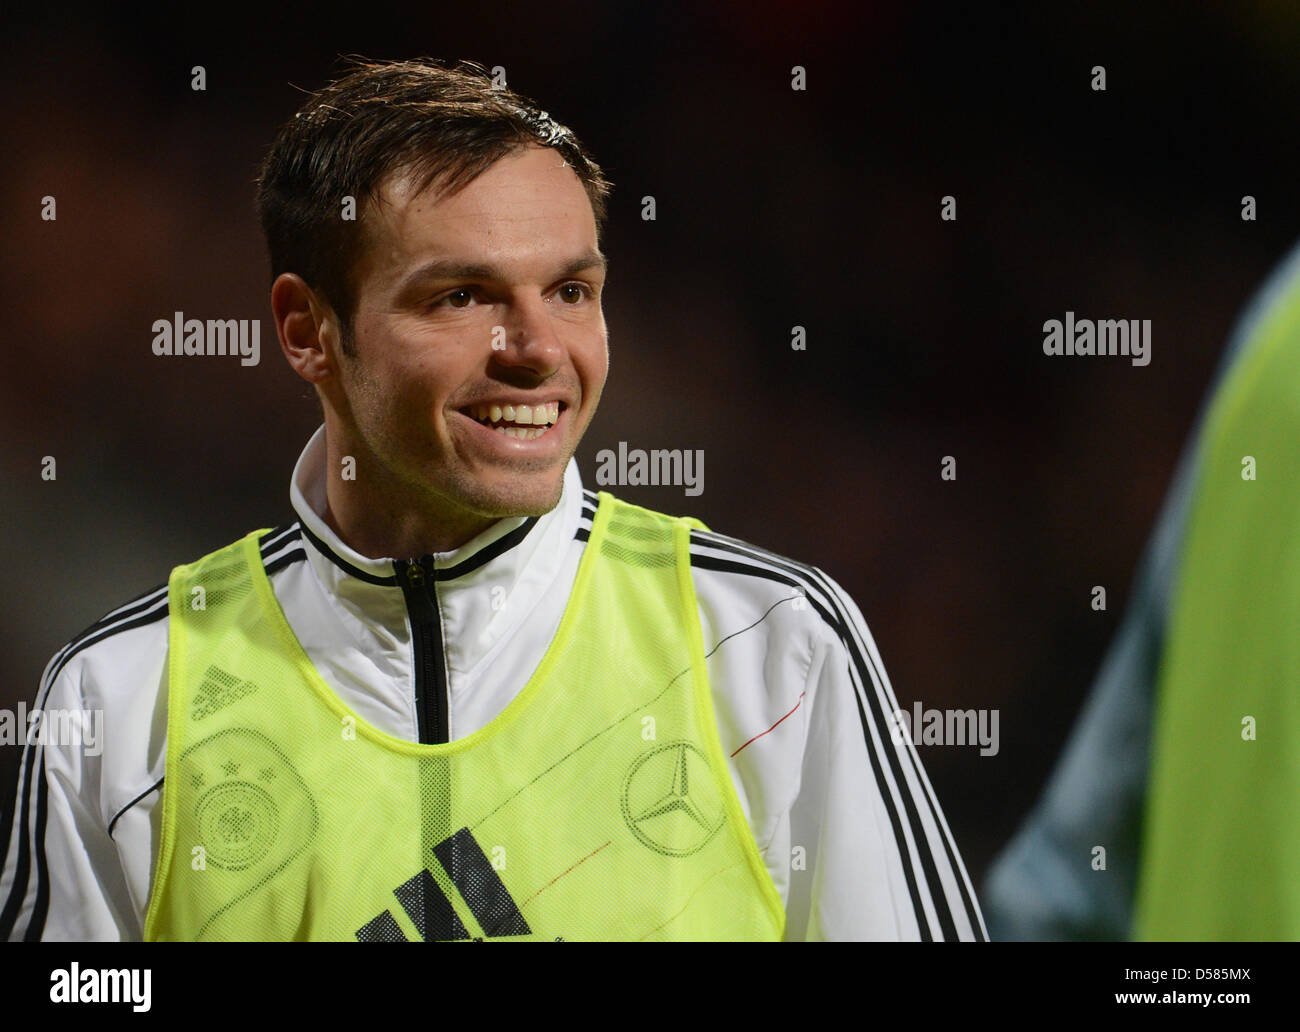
(1221, 840)
(597, 805)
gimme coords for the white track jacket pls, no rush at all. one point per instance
(843, 814)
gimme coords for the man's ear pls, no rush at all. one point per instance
(307, 328)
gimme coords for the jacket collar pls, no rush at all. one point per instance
(482, 586)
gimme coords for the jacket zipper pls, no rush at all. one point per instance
(431, 703)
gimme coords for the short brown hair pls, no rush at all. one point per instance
(445, 125)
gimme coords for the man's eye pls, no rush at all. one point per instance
(582, 292)
(452, 299)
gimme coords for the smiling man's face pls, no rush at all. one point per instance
(480, 349)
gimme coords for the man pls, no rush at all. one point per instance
(460, 696)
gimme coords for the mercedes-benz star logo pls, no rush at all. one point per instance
(671, 801)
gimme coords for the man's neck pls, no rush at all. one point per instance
(377, 530)
(380, 519)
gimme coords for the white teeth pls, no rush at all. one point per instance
(521, 433)
(543, 415)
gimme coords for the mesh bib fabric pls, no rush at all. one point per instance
(597, 805)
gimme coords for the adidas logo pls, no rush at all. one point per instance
(218, 689)
(474, 877)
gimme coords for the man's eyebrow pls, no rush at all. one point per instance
(454, 269)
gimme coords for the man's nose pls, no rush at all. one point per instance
(527, 338)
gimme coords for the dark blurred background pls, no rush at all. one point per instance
(775, 208)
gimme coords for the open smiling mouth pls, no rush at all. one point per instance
(525, 422)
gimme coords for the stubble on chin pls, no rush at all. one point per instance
(505, 500)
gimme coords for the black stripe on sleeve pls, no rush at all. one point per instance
(132, 608)
(42, 905)
(149, 607)
(936, 812)
(22, 863)
(905, 852)
(287, 559)
(34, 755)
(813, 580)
(278, 537)
(922, 920)
(150, 616)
